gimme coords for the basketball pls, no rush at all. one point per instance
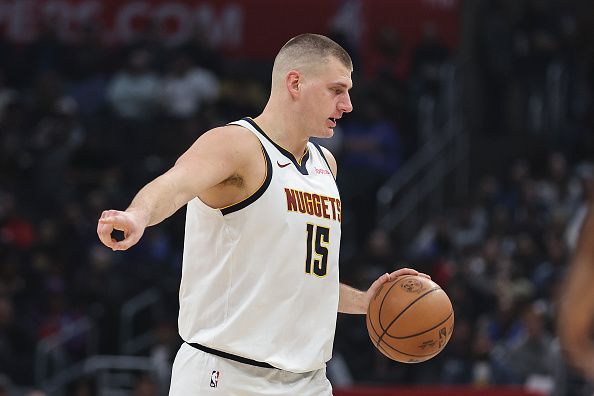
(410, 319)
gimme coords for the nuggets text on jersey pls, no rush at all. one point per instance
(313, 204)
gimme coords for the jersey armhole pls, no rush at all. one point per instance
(256, 194)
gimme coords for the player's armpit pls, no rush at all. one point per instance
(215, 157)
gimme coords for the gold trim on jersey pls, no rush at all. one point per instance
(258, 189)
(300, 160)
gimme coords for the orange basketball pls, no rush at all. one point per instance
(410, 319)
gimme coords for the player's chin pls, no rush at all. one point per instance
(327, 132)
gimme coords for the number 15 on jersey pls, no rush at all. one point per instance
(318, 239)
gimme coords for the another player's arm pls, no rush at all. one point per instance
(576, 306)
(212, 159)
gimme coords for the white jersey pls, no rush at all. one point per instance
(260, 277)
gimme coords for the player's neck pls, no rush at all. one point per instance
(283, 131)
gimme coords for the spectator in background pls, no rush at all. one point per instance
(427, 58)
(470, 226)
(187, 88)
(551, 268)
(199, 48)
(134, 98)
(55, 139)
(537, 39)
(519, 174)
(46, 54)
(537, 43)
(585, 173)
(48, 92)
(558, 191)
(149, 37)
(187, 93)
(133, 92)
(86, 70)
(386, 60)
(86, 56)
(458, 366)
(485, 268)
(386, 74)
(533, 356)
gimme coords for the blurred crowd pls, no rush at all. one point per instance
(84, 125)
(501, 257)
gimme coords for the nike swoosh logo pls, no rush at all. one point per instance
(283, 165)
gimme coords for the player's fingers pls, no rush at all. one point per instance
(104, 233)
(128, 241)
(401, 272)
(121, 245)
(382, 279)
(424, 275)
(117, 220)
(110, 218)
(108, 213)
(376, 285)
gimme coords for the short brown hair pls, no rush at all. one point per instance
(309, 48)
(318, 46)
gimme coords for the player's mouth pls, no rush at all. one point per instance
(333, 122)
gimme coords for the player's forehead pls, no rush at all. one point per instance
(335, 72)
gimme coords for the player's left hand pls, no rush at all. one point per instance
(388, 277)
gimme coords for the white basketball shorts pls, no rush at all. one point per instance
(197, 373)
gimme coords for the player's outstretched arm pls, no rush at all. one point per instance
(355, 301)
(213, 158)
(576, 305)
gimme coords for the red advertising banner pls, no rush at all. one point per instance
(255, 28)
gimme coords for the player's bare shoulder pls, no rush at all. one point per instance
(238, 152)
(331, 160)
(234, 139)
(230, 144)
(245, 150)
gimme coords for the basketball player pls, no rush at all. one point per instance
(576, 307)
(259, 292)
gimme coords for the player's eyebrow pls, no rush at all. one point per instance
(341, 84)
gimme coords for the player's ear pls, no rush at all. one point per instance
(293, 82)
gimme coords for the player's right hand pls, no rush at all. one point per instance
(129, 222)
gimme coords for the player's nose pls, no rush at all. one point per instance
(345, 105)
